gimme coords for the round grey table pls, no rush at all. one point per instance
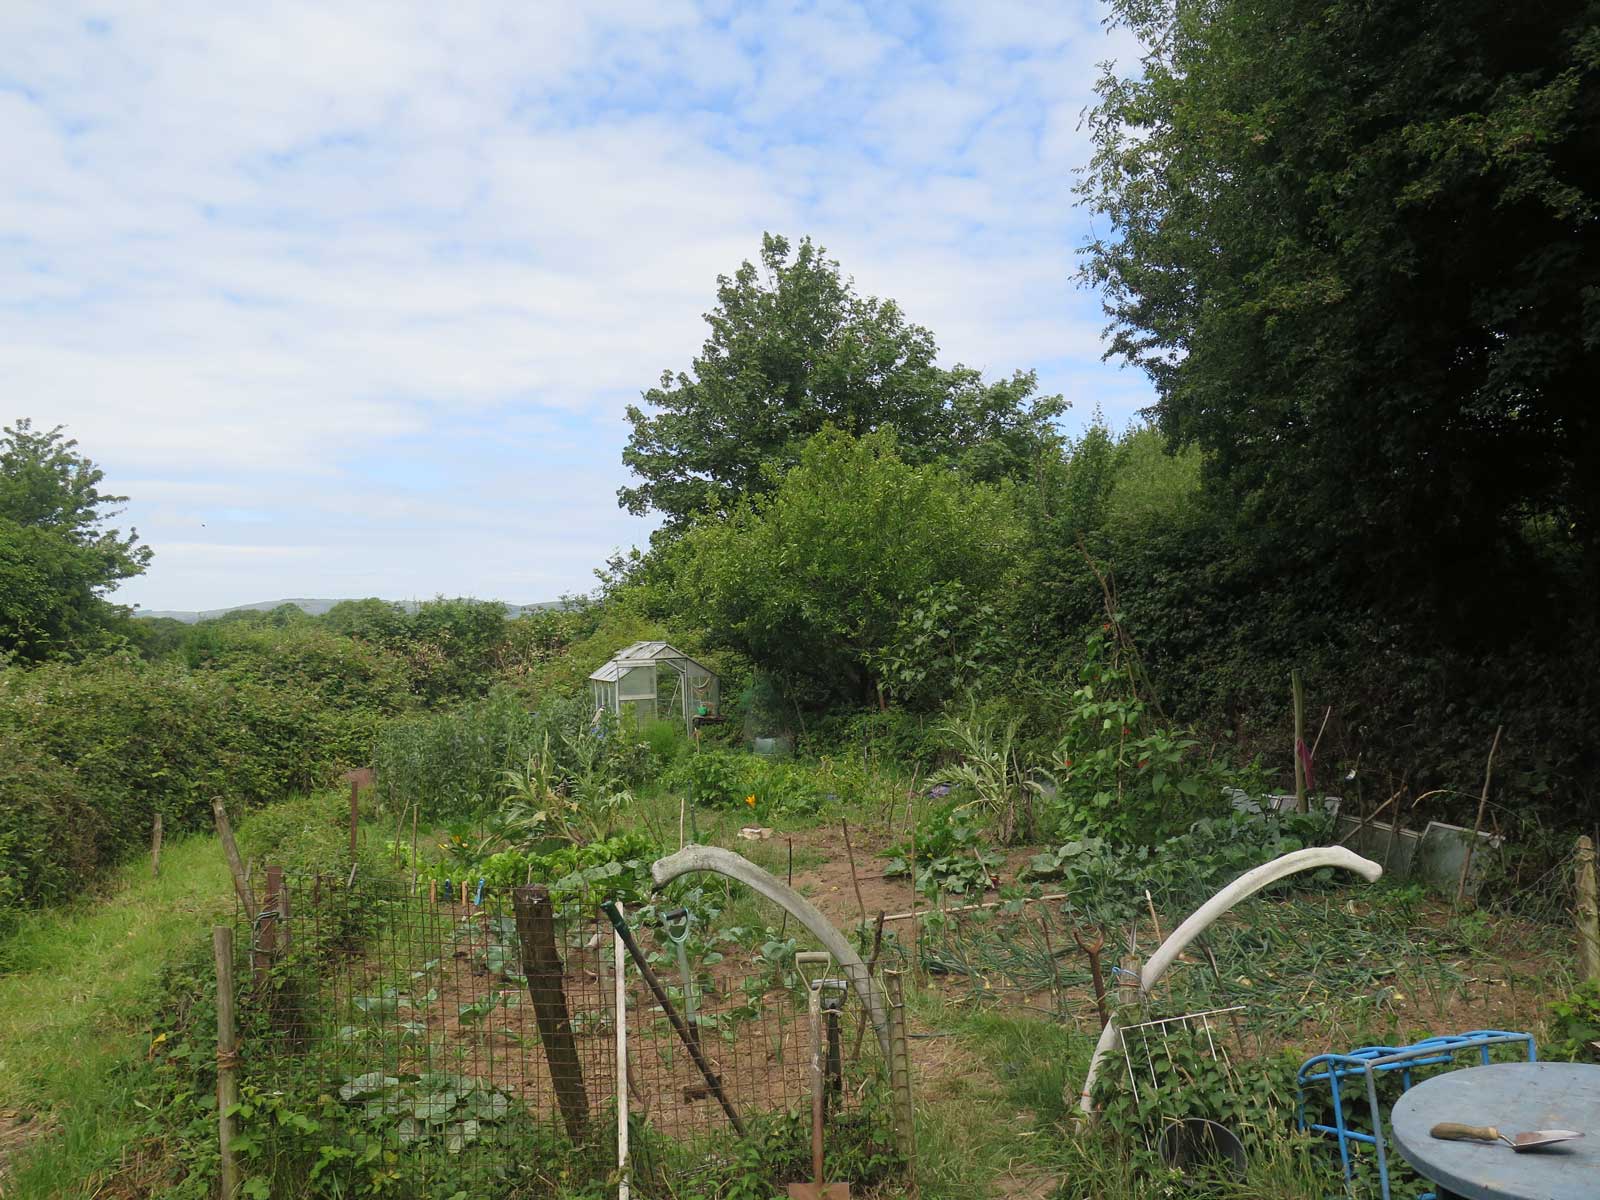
(1516, 1098)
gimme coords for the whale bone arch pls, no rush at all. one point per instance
(1248, 884)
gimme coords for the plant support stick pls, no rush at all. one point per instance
(227, 1059)
(619, 960)
(1483, 801)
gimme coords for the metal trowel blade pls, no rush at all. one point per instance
(1541, 1137)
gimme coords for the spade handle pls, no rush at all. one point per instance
(1452, 1132)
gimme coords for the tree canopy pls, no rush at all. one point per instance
(58, 559)
(1356, 247)
(811, 581)
(792, 348)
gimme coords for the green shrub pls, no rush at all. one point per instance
(666, 740)
(890, 735)
(47, 842)
(949, 853)
(714, 778)
(100, 747)
(785, 786)
(453, 764)
(1121, 773)
(1575, 1026)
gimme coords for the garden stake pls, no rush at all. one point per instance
(855, 881)
(227, 1059)
(1299, 695)
(620, 1000)
(1092, 953)
(155, 850)
(609, 907)
(1488, 775)
(1587, 913)
(872, 965)
(241, 881)
(788, 879)
(355, 814)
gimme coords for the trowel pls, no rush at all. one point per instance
(1451, 1132)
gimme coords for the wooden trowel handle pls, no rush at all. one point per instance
(1451, 1132)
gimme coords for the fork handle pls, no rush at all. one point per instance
(1451, 1132)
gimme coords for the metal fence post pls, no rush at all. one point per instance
(905, 1124)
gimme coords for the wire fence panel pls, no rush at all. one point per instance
(456, 1057)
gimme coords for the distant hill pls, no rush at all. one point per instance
(314, 607)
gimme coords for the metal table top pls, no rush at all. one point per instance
(1516, 1098)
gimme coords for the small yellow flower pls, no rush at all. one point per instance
(750, 800)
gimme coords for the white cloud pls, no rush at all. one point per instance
(320, 263)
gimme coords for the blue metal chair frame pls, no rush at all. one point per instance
(1368, 1062)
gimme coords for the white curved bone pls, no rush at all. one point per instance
(1248, 884)
(736, 866)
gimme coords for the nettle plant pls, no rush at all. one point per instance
(1118, 772)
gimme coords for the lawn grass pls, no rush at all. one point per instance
(80, 978)
(74, 1009)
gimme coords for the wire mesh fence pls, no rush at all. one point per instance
(1316, 967)
(469, 1041)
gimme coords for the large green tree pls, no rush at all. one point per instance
(1356, 246)
(811, 581)
(58, 557)
(792, 348)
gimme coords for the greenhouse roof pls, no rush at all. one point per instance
(642, 654)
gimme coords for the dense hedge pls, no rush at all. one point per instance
(90, 752)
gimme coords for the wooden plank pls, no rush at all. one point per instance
(541, 963)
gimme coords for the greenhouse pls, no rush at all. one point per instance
(656, 681)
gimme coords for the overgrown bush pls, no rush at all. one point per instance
(892, 736)
(734, 779)
(100, 747)
(47, 841)
(1118, 770)
(1575, 1026)
(713, 778)
(452, 764)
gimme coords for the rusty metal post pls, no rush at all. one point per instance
(905, 1121)
(541, 963)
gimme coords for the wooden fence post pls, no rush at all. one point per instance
(1588, 913)
(355, 815)
(264, 941)
(541, 963)
(227, 1059)
(155, 849)
(241, 882)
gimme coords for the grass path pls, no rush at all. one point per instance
(77, 993)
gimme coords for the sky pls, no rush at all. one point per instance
(349, 299)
